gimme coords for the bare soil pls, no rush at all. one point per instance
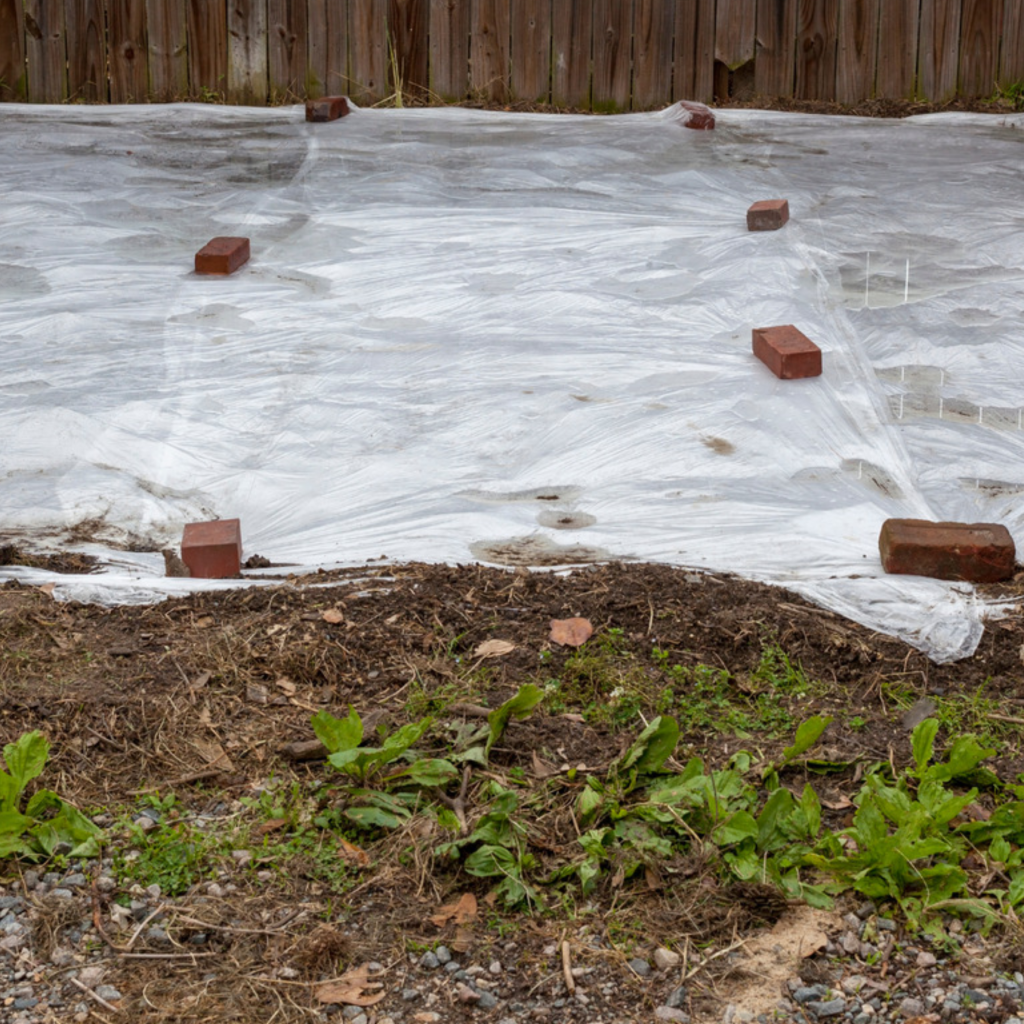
(199, 696)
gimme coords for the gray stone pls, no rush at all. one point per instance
(677, 998)
(926, 960)
(62, 894)
(410, 994)
(641, 967)
(443, 954)
(11, 903)
(487, 1001)
(451, 967)
(665, 959)
(832, 1008)
(25, 1003)
(430, 961)
(809, 994)
(886, 924)
(92, 975)
(671, 1013)
(108, 992)
(76, 881)
(912, 1007)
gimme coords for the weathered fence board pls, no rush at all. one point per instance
(531, 50)
(337, 72)
(592, 54)
(613, 37)
(980, 30)
(735, 26)
(44, 50)
(167, 31)
(86, 36)
(938, 49)
(897, 50)
(247, 72)
(816, 40)
(857, 55)
(1011, 60)
(449, 48)
(653, 24)
(126, 45)
(408, 22)
(572, 30)
(316, 49)
(489, 49)
(368, 50)
(774, 67)
(13, 84)
(288, 60)
(704, 82)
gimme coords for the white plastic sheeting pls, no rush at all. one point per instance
(514, 338)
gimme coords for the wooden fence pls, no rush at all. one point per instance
(590, 54)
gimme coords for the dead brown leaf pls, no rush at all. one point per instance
(270, 825)
(571, 632)
(284, 684)
(461, 912)
(463, 941)
(493, 649)
(353, 854)
(351, 989)
(48, 588)
(213, 753)
(333, 616)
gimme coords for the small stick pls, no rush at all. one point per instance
(92, 995)
(138, 931)
(1006, 718)
(570, 981)
(714, 956)
(208, 773)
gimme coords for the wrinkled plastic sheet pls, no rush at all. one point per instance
(518, 339)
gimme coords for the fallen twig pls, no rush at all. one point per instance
(714, 956)
(93, 995)
(570, 981)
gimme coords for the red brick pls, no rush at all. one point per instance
(695, 115)
(222, 255)
(975, 552)
(327, 108)
(212, 550)
(787, 352)
(768, 215)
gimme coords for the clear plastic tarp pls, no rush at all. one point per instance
(517, 339)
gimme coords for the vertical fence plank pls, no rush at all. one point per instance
(44, 51)
(938, 50)
(653, 28)
(13, 82)
(368, 52)
(317, 45)
(86, 50)
(735, 24)
(613, 37)
(208, 49)
(408, 22)
(1011, 61)
(168, 49)
(247, 71)
(980, 29)
(816, 49)
(449, 48)
(775, 57)
(684, 50)
(126, 45)
(531, 50)
(571, 33)
(897, 50)
(337, 79)
(288, 63)
(704, 79)
(857, 60)
(489, 49)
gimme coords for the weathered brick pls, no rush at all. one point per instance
(327, 108)
(768, 215)
(212, 550)
(787, 352)
(975, 552)
(695, 115)
(222, 255)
